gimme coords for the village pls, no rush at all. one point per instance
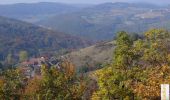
(32, 66)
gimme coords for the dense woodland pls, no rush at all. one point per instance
(17, 36)
(138, 68)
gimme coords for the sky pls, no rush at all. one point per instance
(84, 1)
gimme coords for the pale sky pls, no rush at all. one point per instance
(83, 1)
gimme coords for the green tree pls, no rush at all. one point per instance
(113, 84)
(23, 55)
(12, 85)
(112, 81)
(123, 54)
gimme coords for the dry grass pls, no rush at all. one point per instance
(90, 56)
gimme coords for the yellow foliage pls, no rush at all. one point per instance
(68, 67)
(150, 89)
(33, 86)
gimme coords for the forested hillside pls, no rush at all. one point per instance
(17, 36)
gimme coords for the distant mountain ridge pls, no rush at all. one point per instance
(101, 22)
(125, 5)
(37, 8)
(36, 11)
(95, 22)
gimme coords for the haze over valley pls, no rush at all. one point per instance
(84, 50)
(91, 21)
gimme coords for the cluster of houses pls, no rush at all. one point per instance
(32, 67)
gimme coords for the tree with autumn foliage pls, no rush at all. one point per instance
(57, 83)
(54, 83)
(139, 68)
(114, 86)
(11, 85)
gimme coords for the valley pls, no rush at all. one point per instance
(96, 22)
(96, 51)
(102, 22)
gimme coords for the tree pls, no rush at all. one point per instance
(138, 69)
(57, 83)
(123, 54)
(112, 85)
(33, 89)
(54, 83)
(156, 47)
(146, 81)
(11, 85)
(115, 86)
(23, 55)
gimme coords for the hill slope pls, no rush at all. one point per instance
(92, 56)
(16, 36)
